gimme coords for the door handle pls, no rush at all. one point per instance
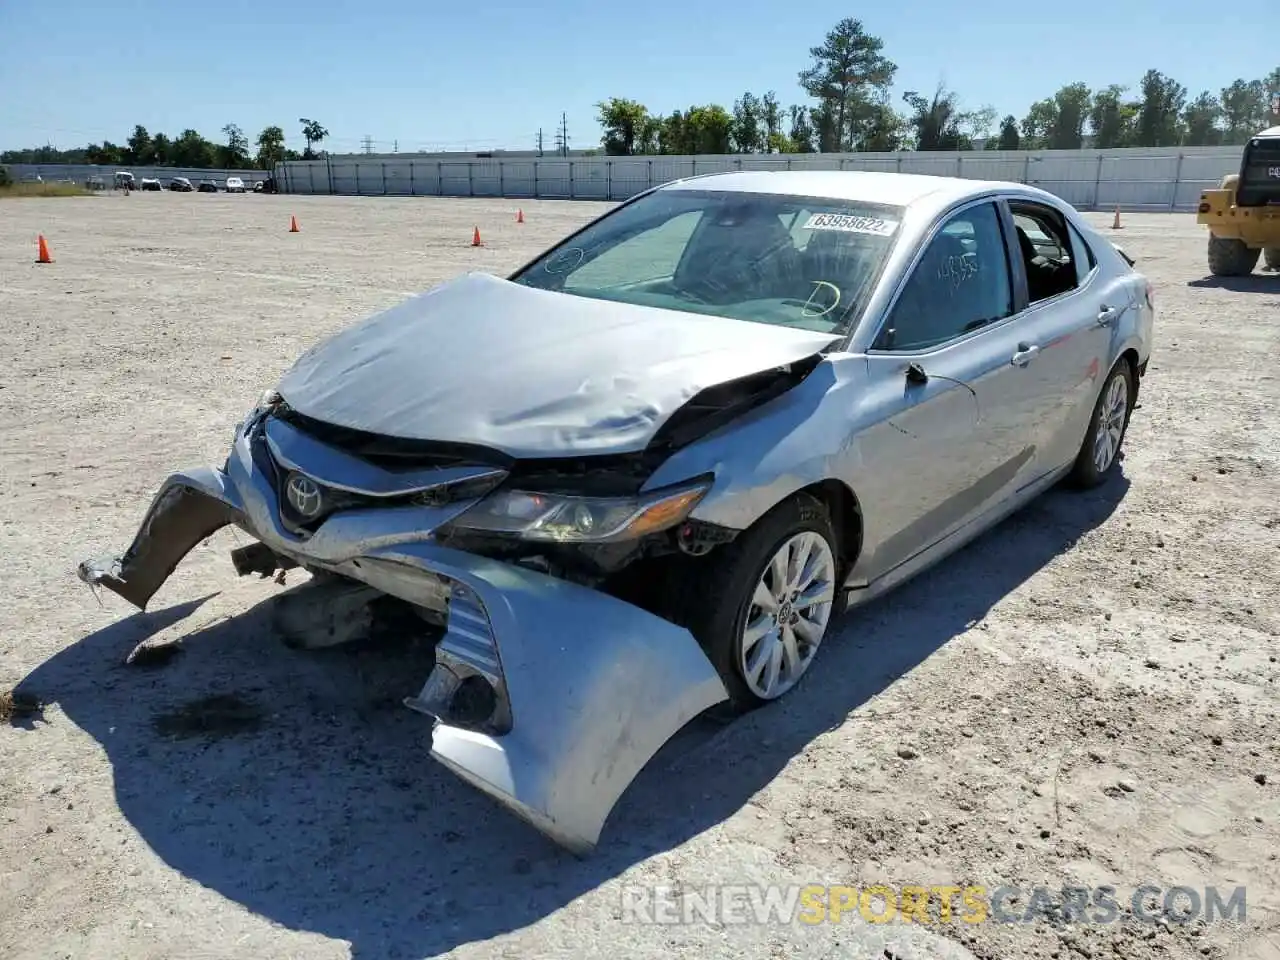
(1107, 314)
(1026, 352)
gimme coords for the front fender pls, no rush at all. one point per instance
(595, 687)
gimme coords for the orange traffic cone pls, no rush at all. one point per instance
(1115, 223)
(475, 239)
(519, 216)
(293, 224)
(42, 255)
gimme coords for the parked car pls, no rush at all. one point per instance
(180, 185)
(150, 183)
(645, 473)
(208, 186)
(235, 185)
(124, 180)
(95, 184)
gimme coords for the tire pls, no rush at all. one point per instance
(1087, 472)
(1271, 257)
(1231, 258)
(730, 576)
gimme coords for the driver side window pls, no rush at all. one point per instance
(959, 284)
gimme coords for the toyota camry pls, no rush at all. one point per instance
(645, 473)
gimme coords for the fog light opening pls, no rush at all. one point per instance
(474, 701)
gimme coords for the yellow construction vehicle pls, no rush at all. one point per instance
(1243, 214)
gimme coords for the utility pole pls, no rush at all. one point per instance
(562, 137)
(395, 146)
(368, 144)
(539, 141)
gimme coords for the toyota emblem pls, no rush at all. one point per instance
(304, 495)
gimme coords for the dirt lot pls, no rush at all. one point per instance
(1087, 696)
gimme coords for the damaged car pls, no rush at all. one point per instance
(644, 474)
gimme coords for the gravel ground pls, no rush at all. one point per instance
(1086, 696)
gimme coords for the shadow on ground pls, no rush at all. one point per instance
(318, 808)
(1254, 283)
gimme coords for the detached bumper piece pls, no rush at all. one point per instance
(547, 696)
(190, 507)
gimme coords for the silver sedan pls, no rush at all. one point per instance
(644, 474)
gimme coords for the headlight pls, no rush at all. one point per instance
(265, 402)
(552, 516)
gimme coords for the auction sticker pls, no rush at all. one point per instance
(850, 224)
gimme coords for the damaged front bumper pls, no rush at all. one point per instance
(546, 695)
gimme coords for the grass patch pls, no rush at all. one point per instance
(15, 704)
(45, 189)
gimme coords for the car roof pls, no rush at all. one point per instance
(896, 189)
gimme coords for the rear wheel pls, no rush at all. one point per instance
(764, 603)
(1100, 449)
(1229, 257)
(1271, 256)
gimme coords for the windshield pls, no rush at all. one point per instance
(768, 258)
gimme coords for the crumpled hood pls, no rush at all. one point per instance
(530, 372)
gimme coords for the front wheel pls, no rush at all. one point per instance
(1271, 256)
(1100, 450)
(764, 604)
(1231, 258)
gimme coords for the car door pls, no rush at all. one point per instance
(1069, 320)
(944, 366)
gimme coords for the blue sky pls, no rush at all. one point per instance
(447, 74)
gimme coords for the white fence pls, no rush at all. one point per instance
(1134, 178)
(80, 172)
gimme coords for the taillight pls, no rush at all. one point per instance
(1204, 208)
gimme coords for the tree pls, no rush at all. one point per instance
(748, 135)
(935, 120)
(235, 155)
(312, 132)
(1244, 110)
(1200, 119)
(1111, 118)
(626, 124)
(193, 150)
(708, 128)
(1160, 113)
(1070, 109)
(1009, 139)
(1057, 122)
(141, 150)
(801, 130)
(977, 124)
(882, 128)
(825, 132)
(162, 150)
(771, 117)
(1037, 125)
(108, 154)
(848, 69)
(270, 147)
